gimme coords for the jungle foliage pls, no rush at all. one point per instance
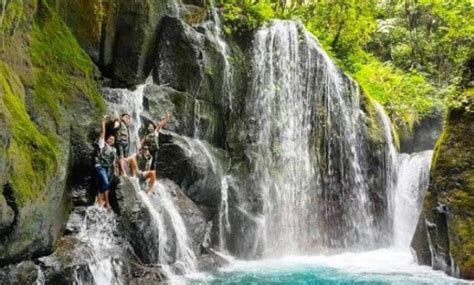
(410, 55)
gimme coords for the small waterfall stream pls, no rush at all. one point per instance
(98, 235)
(413, 181)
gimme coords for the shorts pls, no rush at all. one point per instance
(141, 175)
(103, 177)
(122, 150)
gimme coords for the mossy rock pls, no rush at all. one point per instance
(48, 101)
(451, 195)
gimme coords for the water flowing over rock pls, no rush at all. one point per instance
(412, 183)
(307, 150)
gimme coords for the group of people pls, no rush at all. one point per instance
(113, 150)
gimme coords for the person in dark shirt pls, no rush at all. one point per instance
(140, 165)
(151, 139)
(122, 136)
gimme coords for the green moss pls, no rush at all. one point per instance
(84, 17)
(13, 15)
(374, 122)
(62, 80)
(32, 154)
(452, 184)
(61, 67)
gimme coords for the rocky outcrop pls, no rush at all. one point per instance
(447, 220)
(119, 35)
(424, 133)
(141, 217)
(48, 102)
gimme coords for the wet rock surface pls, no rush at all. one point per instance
(448, 208)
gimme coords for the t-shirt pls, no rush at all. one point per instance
(144, 162)
(151, 141)
(105, 156)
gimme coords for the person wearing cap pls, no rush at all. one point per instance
(140, 165)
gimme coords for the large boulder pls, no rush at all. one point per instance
(191, 116)
(49, 98)
(448, 210)
(136, 26)
(145, 217)
(194, 165)
(26, 272)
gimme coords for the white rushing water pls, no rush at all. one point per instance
(163, 211)
(196, 147)
(308, 140)
(98, 236)
(217, 35)
(413, 181)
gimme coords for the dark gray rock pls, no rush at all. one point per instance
(424, 135)
(421, 243)
(194, 165)
(25, 272)
(138, 225)
(189, 211)
(211, 261)
(157, 100)
(136, 26)
(135, 222)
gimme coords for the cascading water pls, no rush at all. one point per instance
(217, 36)
(413, 180)
(98, 235)
(407, 177)
(163, 211)
(306, 156)
(198, 147)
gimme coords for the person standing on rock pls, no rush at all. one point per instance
(122, 135)
(141, 164)
(150, 140)
(104, 162)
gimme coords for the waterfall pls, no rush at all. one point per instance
(307, 157)
(413, 181)
(163, 211)
(98, 234)
(185, 256)
(407, 177)
(217, 36)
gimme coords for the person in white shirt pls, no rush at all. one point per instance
(104, 162)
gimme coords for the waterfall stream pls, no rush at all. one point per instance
(102, 248)
(308, 141)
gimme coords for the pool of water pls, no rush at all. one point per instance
(385, 266)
